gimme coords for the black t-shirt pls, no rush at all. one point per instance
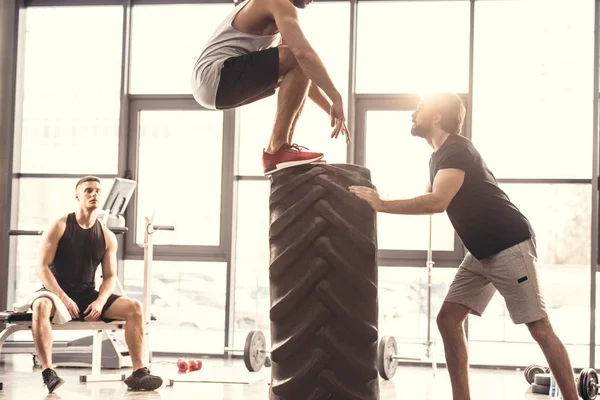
(481, 213)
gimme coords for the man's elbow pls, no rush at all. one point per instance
(439, 206)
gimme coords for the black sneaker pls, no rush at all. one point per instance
(143, 380)
(51, 380)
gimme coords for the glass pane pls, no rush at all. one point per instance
(71, 90)
(531, 96)
(176, 149)
(387, 155)
(313, 129)
(412, 47)
(188, 300)
(560, 216)
(252, 295)
(403, 306)
(165, 42)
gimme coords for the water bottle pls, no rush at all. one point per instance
(554, 390)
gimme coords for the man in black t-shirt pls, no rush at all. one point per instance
(499, 239)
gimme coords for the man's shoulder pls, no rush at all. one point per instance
(109, 236)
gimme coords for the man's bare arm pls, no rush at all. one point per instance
(49, 245)
(315, 94)
(285, 16)
(109, 266)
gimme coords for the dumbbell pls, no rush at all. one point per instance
(532, 370)
(191, 365)
(255, 352)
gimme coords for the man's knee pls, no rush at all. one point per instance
(42, 307)
(540, 330)
(451, 317)
(134, 308)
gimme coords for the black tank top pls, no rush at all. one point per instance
(78, 255)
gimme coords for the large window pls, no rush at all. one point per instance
(313, 129)
(252, 296)
(71, 90)
(399, 165)
(188, 300)
(165, 43)
(413, 46)
(404, 305)
(179, 175)
(532, 96)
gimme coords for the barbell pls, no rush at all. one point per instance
(255, 351)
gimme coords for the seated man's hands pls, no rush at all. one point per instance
(71, 306)
(369, 195)
(94, 310)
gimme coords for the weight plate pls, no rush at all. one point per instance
(386, 364)
(588, 384)
(532, 371)
(254, 351)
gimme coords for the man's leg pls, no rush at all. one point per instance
(294, 122)
(41, 330)
(130, 311)
(514, 273)
(450, 323)
(557, 357)
(470, 292)
(293, 90)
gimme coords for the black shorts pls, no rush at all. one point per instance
(248, 78)
(86, 297)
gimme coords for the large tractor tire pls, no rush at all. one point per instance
(323, 279)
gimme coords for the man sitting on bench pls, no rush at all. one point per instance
(72, 248)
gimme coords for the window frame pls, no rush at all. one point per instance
(220, 252)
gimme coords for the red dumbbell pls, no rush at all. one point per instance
(189, 365)
(182, 365)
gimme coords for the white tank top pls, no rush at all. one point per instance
(224, 43)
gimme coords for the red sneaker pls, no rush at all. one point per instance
(288, 156)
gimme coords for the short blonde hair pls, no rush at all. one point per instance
(88, 178)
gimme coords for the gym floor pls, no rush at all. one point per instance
(22, 381)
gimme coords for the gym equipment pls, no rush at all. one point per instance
(254, 351)
(542, 379)
(540, 389)
(532, 370)
(323, 280)
(189, 365)
(588, 384)
(387, 355)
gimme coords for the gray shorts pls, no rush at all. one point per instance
(512, 272)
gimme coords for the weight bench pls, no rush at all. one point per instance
(22, 322)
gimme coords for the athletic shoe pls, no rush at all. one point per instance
(51, 380)
(143, 380)
(288, 156)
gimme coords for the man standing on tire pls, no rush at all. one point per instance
(245, 60)
(499, 239)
